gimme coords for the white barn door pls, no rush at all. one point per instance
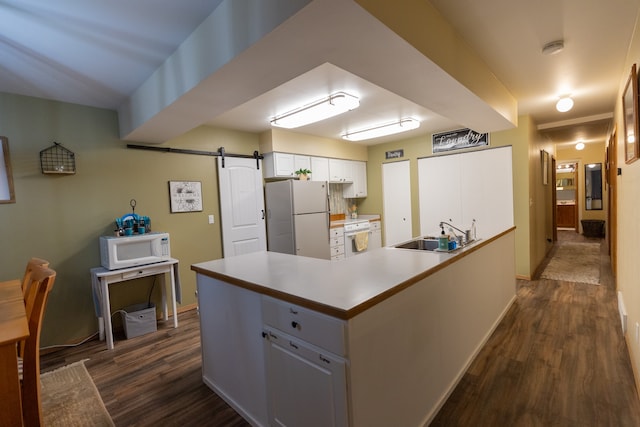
(241, 206)
(396, 202)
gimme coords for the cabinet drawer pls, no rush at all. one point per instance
(374, 225)
(143, 271)
(336, 250)
(336, 232)
(336, 241)
(316, 328)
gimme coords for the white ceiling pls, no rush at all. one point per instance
(98, 53)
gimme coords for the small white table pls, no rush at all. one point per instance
(101, 278)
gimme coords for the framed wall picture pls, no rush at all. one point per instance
(630, 115)
(544, 163)
(7, 194)
(185, 196)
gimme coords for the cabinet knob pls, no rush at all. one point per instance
(295, 324)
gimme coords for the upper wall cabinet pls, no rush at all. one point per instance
(284, 165)
(358, 174)
(340, 171)
(351, 173)
(319, 169)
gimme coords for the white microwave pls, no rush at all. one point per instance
(131, 251)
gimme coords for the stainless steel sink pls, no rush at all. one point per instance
(427, 244)
(419, 244)
(423, 244)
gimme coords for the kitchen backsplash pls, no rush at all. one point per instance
(338, 204)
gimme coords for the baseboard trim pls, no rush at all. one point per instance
(633, 366)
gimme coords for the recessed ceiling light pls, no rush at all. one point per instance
(580, 146)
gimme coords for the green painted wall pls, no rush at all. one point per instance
(60, 218)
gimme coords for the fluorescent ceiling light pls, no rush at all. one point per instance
(402, 125)
(332, 105)
(580, 146)
(564, 104)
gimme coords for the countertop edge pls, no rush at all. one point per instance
(365, 305)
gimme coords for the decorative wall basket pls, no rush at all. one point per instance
(57, 160)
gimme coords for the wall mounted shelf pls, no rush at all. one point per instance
(57, 160)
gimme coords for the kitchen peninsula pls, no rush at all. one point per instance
(375, 340)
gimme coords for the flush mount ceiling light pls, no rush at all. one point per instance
(401, 125)
(580, 146)
(564, 104)
(553, 47)
(332, 105)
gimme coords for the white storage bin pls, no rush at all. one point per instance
(139, 319)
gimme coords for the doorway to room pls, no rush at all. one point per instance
(567, 196)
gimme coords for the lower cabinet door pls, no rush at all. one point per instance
(305, 386)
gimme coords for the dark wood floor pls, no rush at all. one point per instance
(557, 359)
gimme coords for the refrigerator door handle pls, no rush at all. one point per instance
(328, 226)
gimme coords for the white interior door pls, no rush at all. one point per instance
(396, 202)
(241, 206)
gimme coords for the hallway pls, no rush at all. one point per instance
(557, 358)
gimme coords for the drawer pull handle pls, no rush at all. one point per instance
(324, 359)
(292, 311)
(295, 325)
(293, 345)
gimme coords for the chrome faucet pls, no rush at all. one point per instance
(464, 239)
(442, 224)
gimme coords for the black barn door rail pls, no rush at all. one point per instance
(220, 152)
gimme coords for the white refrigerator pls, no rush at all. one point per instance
(298, 218)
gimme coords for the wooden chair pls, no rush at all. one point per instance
(24, 285)
(39, 286)
(27, 273)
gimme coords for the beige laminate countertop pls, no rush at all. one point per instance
(338, 288)
(341, 222)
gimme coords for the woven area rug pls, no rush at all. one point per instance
(575, 262)
(70, 398)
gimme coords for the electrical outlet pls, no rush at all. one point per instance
(211, 219)
(637, 332)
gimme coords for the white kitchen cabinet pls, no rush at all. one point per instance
(284, 165)
(306, 379)
(232, 351)
(339, 171)
(357, 173)
(375, 238)
(301, 162)
(319, 169)
(306, 386)
(336, 243)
